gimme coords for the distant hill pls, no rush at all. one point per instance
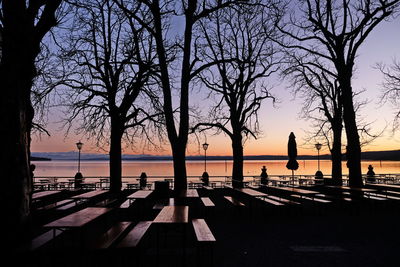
(40, 159)
(381, 155)
(370, 155)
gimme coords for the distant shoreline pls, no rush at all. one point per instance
(393, 155)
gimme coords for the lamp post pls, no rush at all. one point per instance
(79, 146)
(205, 177)
(318, 147)
(205, 147)
(318, 174)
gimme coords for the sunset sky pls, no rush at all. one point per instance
(277, 122)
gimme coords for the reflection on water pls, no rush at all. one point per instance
(196, 168)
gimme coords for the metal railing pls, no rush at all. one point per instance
(103, 182)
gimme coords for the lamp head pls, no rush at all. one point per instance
(79, 145)
(318, 146)
(205, 146)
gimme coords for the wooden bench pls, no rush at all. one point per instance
(393, 192)
(126, 204)
(234, 201)
(374, 197)
(111, 237)
(43, 239)
(109, 202)
(204, 238)
(388, 196)
(330, 197)
(283, 200)
(271, 201)
(162, 203)
(207, 202)
(202, 231)
(68, 206)
(133, 238)
(57, 204)
(315, 199)
(253, 187)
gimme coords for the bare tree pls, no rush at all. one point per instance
(245, 57)
(333, 31)
(179, 73)
(391, 88)
(23, 25)
(323, 104)
(109, 61)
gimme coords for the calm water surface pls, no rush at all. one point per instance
(196, 168)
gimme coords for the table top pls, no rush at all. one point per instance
(252, 192)
(41, 194)
(298, 190)
(89, 194)
(140, 194)
(79, 218)
(189, 193)
(173, 214)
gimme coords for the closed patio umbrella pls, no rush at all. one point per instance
(292, 153)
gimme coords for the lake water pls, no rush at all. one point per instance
(196, 168)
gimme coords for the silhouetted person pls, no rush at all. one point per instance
(78, 180)
(371, 174)
(143, 180)
(205, 178)
(32, 168)
(264, 176)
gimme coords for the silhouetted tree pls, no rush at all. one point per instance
(23, 25)
(333, 31)
(109, 61)
(391, 88)
(246, 57)
(179, 73)
(322, 103)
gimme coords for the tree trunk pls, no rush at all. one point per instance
(16, 73)
(237, 168)
(336, 153)
(115, 156)
(179, 159)
(353, 140)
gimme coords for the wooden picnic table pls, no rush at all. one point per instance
(298, 190)
(275, 181)
(252, 192)
(78, 219)
(132, 186)
(173, 214)
(42, 194)
(89, 194)
(45, 185)
(140, 194)
(192, 185)
(189, 193)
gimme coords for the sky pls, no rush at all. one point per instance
(276, 121)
